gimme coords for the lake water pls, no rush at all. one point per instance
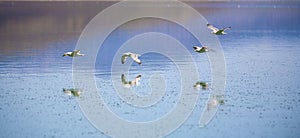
(261, 51)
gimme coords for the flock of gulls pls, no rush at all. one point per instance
(135, 57)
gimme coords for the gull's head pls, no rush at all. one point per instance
(138, 61)
(138, 77)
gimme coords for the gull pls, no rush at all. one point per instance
(201, 49)
(217, 31)
(133, 56)
(74, 92)
(200, 84)
(75, 53)
(129, 84)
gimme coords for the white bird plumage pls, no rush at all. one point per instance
(217, 31)
(201, 49)
(134, 56)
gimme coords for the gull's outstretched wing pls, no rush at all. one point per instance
(212, 28)
(138, 77)
(226, 28)
(76, 51)
(66, 91)
(124, 81)
(136, 80)
(75, 92)
(196, 48)
(196, 84)
(126, 84)
(67, 54)
(124, 57)
(135, 57)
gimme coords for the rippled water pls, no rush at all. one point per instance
(262, 97)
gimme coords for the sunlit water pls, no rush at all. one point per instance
(262, 97)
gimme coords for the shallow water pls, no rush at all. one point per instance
(262, 97)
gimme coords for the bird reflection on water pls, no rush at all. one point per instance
(202, 85)
(134, 82)
(74, 92)
(215, 102)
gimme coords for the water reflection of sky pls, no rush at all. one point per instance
(125, 32)
(261, 51)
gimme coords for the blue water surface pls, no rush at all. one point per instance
(262, 93)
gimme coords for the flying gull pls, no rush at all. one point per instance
(134, 56)
(217, 31)
(201, 49)
(75, 53)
